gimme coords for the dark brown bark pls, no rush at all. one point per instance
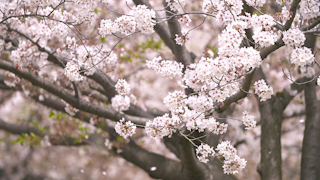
(310, 159)
(181, 53)
(271, 119)
(166, 168)
(67, 97)
(27, 129)
(310, 166)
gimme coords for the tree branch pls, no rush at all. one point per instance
(192, 167)
(108, 85)
(101, 78)
(239, 95)
(166, 169)
(312, 25)
(293, 9)
(16, 129)
(271, 120)
(25, 129)
(181, 53)
(310, 167)
(266, 51)
(67, 97)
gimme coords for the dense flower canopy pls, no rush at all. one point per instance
(65, 47)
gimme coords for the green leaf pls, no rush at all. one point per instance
(77, 141)
(79, 123)
(125, 58)
(19, 140)
(51, 114)
(120, 139)
(35, 123)
(138, 56)
(33, 135)
(59, 116)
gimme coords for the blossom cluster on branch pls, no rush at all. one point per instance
(213, 80)
(47, 39)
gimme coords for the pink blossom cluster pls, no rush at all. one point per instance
(120, 103)
(162, 126)
(293, 37)
(122, 87)
(228, 11)
(196, 121)
(125, 25)
(310, 9)
(2, 44)
(44, 29)
(222, 93)
(107, 26)
(285, 14)
(204, 151)
(232, 162)
(26, 52)
(225, 11)
(72, 71)
(108, 144)
(200, 103)
(165, 126)
(176, 5)
(301, 56)
(125, 128)
(70, 42)
(182, 38)
(256, 3)
(250, 58)
(175, 101)
(143, 19)
(199, 75)
(11, 79)
(248, 121)
(215, 127)
(165, 67)
(262, 29)
(42, 3)
(262, 22)
(88, 58)
(235, 165)
(210, 7)
(185, 20)
(229, 40)
(282, 2)
(263, 90)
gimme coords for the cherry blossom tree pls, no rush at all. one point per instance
(89, 62)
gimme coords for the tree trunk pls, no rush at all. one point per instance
(310, 158)
(271, 120)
